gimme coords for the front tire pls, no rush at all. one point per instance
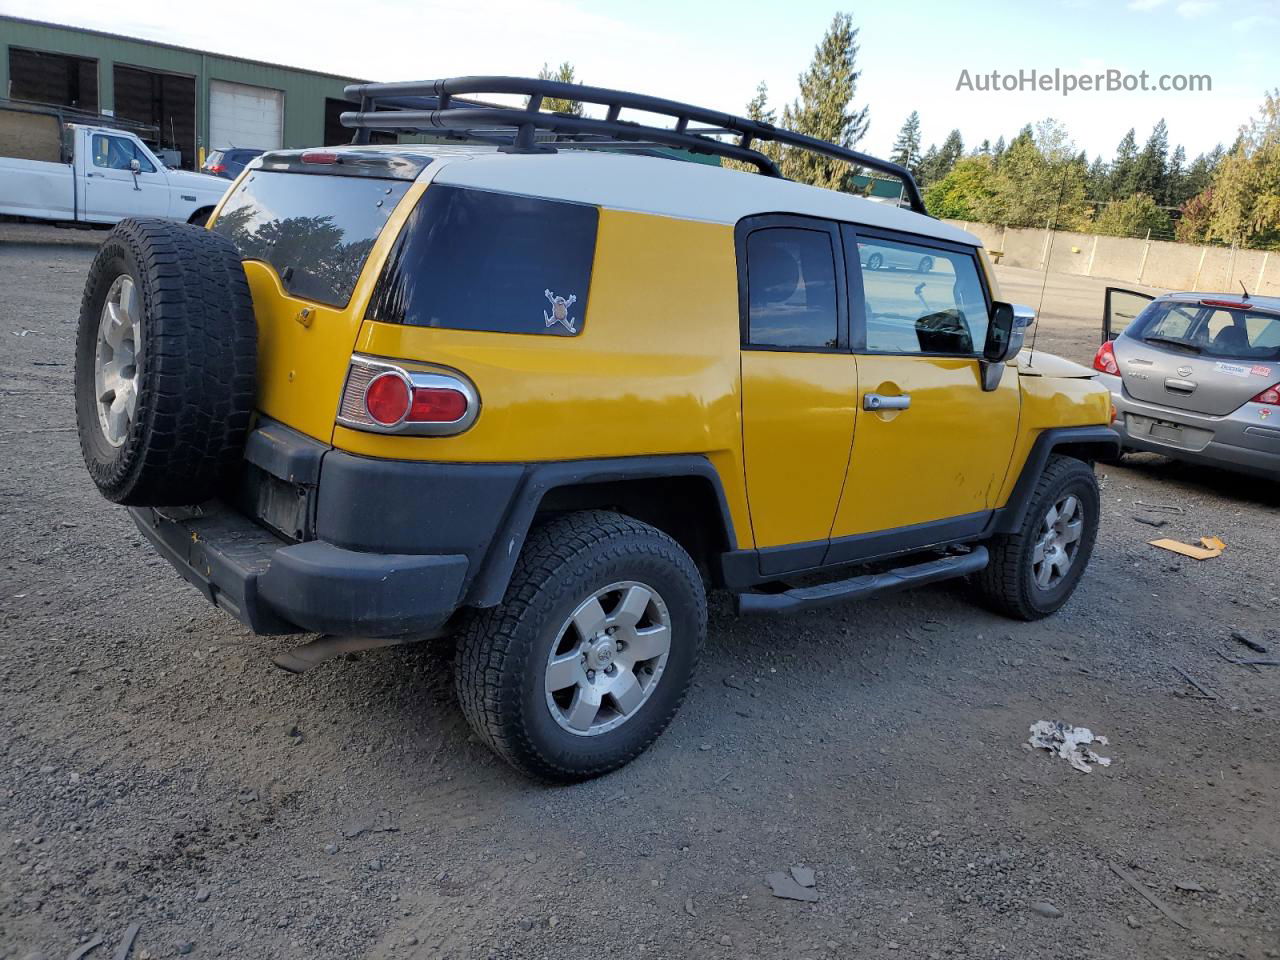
(591, 652)
(1034, 571)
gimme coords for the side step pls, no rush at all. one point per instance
(868, 585)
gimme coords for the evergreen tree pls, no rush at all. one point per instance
(1095, 180)
(1120, 182)
(758, 109)
(938, 161)
(984, 149)
(1245, 205)
(906, 149)
(1151, 166)
(561, 74)
(999, 150)
(825, 108)
(1174, 179)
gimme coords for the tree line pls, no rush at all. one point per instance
(1228, 195)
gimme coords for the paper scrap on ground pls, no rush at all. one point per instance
(1213, 547)
(1068, 742)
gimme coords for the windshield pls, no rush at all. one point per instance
(315, 230)
(1210, 329)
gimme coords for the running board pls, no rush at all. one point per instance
(868, 585)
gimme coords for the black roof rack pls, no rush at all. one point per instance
(446, 108)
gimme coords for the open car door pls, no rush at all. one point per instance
(1119, 310)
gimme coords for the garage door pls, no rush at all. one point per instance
(245, 116)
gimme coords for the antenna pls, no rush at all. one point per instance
(1031, 354)
(1245, 289)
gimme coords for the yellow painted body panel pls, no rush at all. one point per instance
(303, 359)
(1053, 402)
(945, 456)
(797, 424)
(654, 371)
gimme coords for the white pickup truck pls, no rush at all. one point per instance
(92, 174)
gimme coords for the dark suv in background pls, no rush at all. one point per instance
(229, 162)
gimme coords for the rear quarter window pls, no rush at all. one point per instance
(475, 260)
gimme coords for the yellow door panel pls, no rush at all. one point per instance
(944, 456)
(797, 421)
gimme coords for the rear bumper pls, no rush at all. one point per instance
(273, 586)
(1248, 439)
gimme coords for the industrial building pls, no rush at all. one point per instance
(197, 100)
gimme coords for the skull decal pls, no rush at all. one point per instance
(560, 311)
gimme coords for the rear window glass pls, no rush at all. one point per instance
(791, 289)
(475, 260)
(1211, 330)
(315, 230)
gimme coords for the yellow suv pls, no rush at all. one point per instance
(541, 390)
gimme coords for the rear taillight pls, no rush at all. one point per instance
(1270, 395)
(1105, 359)
(317, 156)
(215, 168)
(382, 397)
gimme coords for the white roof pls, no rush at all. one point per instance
(669, 188)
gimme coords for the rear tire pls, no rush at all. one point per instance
(522, 667)
(166, 356)
(1034, 571)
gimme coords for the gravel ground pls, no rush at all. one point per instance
(156, 768)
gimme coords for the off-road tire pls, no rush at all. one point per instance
(499, 671)
(1007, 585)
(196, 367)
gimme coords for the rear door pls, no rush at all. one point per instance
(931, 447)
(799, 384)
(1205, 356)
(1120, 308)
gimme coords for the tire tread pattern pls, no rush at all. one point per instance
(198, 379)
(492, 659)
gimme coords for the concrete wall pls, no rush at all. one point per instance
(1155, 263)
(304, 90)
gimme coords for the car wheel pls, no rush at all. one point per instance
(926, 265)
(1034, 571)
(875, 261)
(165, 369)
(591, 652)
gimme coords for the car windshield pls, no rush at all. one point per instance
(316, 230)
(1211, 328)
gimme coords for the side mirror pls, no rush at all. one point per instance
(134, 166)
(1005, 334)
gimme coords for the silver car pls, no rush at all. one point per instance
(1195, 376)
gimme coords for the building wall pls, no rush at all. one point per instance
(304, 90)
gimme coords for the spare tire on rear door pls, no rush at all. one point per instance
(166, 356)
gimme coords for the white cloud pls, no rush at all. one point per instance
(1145, 4)
(1190, 9)
(1252, 22)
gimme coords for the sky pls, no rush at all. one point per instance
(714, 52)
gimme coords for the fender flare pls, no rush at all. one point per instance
(1086, 443)
(491, 579)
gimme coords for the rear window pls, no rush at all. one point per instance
(1211, 330)
(475, 260)
(315, 230)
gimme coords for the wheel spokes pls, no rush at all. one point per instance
(565, 671)
(1072, 531)
(648, 643)
(582, 711)
(626, 692)
(590, 618)
(631, 608)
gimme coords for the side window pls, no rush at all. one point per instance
(921, 299)
(791, 289)
(114, 153)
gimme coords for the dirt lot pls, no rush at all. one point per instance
(155, 767)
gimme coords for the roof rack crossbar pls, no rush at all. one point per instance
(391, 106)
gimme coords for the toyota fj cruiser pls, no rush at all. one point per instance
(542, 396)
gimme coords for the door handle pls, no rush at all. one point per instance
(877, 401)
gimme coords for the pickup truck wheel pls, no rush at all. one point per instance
(591, 652)
(1034, 571)
(166, 353)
